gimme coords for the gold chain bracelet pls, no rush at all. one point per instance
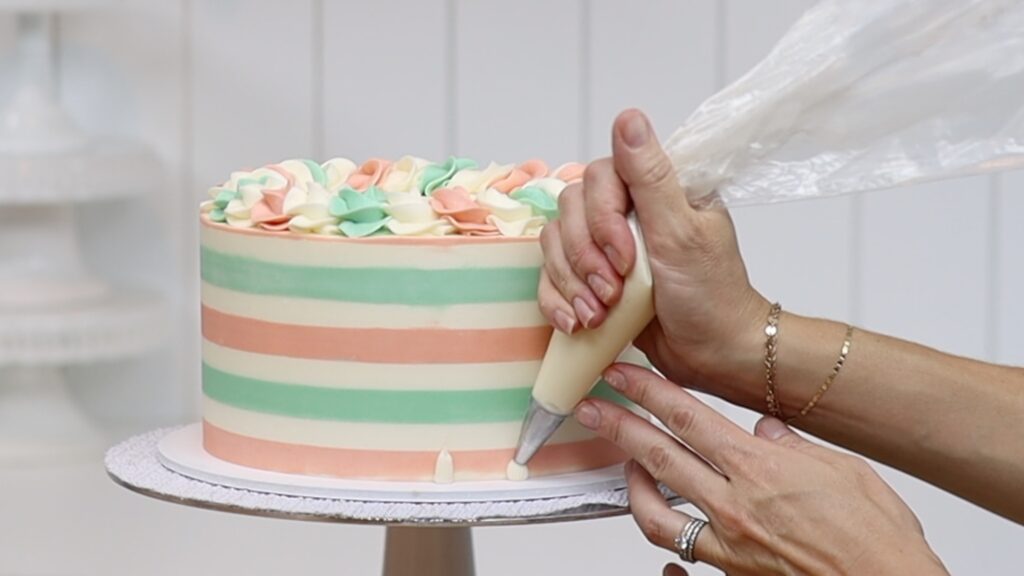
(843, 353)
(771, 332)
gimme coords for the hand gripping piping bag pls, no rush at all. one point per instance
(859, 95)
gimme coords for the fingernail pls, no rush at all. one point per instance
(583, 310)
(773, 428)
(601, 287)
(588, 415)
(635, 133)
(564, 321)
(615, 379)
(615, 258)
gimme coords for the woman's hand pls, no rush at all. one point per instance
(775, 503)
(707, 314)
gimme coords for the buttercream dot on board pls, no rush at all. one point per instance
(444, 468)
(516, 472)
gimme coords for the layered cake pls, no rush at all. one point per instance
(379, 321)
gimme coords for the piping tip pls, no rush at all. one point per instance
(538, 426)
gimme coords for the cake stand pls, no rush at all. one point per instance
(428, 529)
(53, 311)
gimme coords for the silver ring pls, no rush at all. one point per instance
(687, 539)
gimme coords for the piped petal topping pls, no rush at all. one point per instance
(409, 197)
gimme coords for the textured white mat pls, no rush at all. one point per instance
(135, 463)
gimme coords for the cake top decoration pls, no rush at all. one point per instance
(408, 197)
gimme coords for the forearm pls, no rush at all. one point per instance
(951, 421)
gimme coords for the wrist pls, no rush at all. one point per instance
(734, 368)
(913, 556)
(806, 348)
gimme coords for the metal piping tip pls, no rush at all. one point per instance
(538, 426)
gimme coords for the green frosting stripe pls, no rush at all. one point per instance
(409, 286)
(369, 405)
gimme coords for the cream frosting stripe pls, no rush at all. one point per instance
(376, 436)
(336, 313)
(430, 253)
(350, 375)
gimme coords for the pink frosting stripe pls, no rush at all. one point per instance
(380, 345)
(409, 465)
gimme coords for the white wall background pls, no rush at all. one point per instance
(213, 85)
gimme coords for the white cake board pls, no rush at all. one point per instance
(182, 451)
(423, 538)
(137, 464)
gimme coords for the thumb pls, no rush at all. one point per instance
(673, 570)
(648, 173)
(776, 431)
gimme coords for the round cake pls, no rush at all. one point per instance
(380, 321)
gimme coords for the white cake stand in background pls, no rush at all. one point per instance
(53, 311)
(428, 525)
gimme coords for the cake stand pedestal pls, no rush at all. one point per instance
(431, 537)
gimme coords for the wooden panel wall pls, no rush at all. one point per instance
(213, 85)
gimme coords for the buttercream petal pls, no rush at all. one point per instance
(318, 194)
(437, 175)
(502, 206)
(221, 196)
(553, 186)
(458, 205)
(336, 172)
(261, 212)
(217, 215)
(570, 172)
(529, 170)
(369, 174)
(412, 212)
(250, 194)
(311, 202)
(310, 225)
(237, 175)
(295, 197)
(535, 168)
(541, 202)
(476, 181)
(474, 228)
(277, 225)
(237, 222)
(432, 228)
(361, 229)
(405, 175)
(271, 176)
(301, 174)
(237, 210)
(517, 228)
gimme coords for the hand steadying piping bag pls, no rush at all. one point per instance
(858, 95)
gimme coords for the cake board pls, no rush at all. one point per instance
(430, 535)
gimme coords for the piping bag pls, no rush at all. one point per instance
(858, 95)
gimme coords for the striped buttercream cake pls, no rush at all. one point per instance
(384, 357)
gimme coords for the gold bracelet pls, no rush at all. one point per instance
(771, 332)
(843, 352)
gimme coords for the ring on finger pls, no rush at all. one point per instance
(687, 539)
